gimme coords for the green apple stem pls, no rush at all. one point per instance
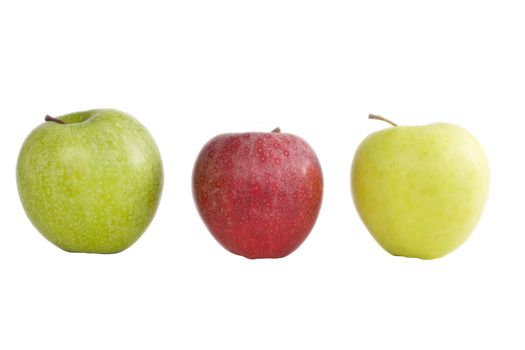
(48, 118)
(276, 130)
(378, 117)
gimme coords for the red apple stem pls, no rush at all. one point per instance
(276, 130)
(48, 118)
(378, 117)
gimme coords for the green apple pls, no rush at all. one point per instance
(90, 181)
(420, 190)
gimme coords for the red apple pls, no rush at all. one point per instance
(259, 194)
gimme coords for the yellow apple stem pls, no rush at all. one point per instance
(276, 130)
(51, 119)
(378, 117)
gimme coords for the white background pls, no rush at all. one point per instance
(189, 70)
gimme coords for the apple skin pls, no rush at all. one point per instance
(92, 184)
(259, 194)
(420, 190)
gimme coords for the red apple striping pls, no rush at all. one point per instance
(259, 194)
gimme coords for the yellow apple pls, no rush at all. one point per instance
(420, 190)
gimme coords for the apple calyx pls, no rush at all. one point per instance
(378, 117)
(276, 130)
(49, 118)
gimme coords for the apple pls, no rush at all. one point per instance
(258, 193)
(420, 190)
(90, 181)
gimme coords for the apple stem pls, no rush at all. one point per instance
(48, 118)
(276, 130)
(378, 117)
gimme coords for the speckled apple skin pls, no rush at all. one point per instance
(93, 184)
(259, 194)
